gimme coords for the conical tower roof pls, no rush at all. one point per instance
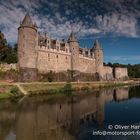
(72, 37)
(27, 21)
(97, 45)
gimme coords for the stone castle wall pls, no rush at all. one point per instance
(87, 65)
(107, 73)
(40, 54)
(53, 60)
(58, 61)
(121, 73)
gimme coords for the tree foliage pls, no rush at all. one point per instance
(134, 70)
(3, 44)
(8, 53)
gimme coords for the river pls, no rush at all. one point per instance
(108, 114)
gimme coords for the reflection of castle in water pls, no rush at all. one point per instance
(40, 120)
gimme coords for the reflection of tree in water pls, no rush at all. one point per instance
(7, 119)
(134, 92)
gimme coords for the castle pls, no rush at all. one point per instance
(38, 53)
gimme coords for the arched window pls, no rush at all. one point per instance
(48, 57)
(57, 57)
(66, 59)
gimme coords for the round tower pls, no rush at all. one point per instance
(74, 49)
(98, 54)
(27, 54)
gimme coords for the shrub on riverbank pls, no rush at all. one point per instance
(67, 89)
(9, 91)
(15, 91)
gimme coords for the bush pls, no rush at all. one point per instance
(15, 91)
(68, 88)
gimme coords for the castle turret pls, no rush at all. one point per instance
(74, 48)
(27, 54)
(98, 54)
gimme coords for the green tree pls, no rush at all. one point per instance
(3, 45)
(8, 53)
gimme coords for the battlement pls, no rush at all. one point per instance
(51, 50)
(45, 43)
(39, 53)
(82, 53)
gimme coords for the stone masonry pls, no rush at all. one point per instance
(38, 53)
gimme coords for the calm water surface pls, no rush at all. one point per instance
(72, 118)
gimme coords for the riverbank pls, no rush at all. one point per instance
(8, 90)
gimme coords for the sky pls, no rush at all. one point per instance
(115, 23)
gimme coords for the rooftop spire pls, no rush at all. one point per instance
(72, 37)
(27, 21)
(97, 45)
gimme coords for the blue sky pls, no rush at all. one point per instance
(116, 23)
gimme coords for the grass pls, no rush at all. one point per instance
(41, 88)
(5, 95)
(9, 91)
(67, 88)
(52, 89)
(5, 88)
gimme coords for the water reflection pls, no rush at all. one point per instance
(7, 121)
(64, 118)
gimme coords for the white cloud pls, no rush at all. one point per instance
(9, 20)
(13, 11)
(11, 14)
(117, 23)
(130, 58)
